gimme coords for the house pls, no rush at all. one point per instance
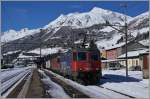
(103, 57)
(133, 58)
(113, 52)
(110, 55)
(133, 45)
(103, 53)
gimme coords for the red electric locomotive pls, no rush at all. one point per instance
(86, 66)
(81, 64)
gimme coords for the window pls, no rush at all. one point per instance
(74, 56)
(133, 62)
(136, 62)
(58, 60)
(81, 56)
(94, 57)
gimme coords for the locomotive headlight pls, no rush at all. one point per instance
(87, 68)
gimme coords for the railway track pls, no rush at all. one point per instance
(10, 77)
(100, 91)
(129, 96)
(11, 83)
(72, 92)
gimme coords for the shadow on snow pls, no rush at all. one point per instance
(111, 78)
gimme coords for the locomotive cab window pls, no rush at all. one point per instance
(94, 57)
(81, 56)
(58, 60)
(74, 56)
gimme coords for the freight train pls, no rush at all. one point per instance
(82, 65)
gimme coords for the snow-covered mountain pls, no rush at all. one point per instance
(135, 21)
(66, 28)
(74, 20)
(13, 35)
(139, 24)
(87, 19)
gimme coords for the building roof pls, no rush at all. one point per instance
(25, 56)
(134, 53)
(11, 52)
(115, 46)
(46, 51)
(144, 42)
(112, 60)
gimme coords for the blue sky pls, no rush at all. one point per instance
(30, 14)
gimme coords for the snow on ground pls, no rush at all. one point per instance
(107, 29)
(8, 73)
(9, 77)
(106, 92)
(55, 90)
(91, 91)
(108, 42)
(9, 82)
(134, 85)
(140, 31)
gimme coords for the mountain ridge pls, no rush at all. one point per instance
(56, 34)
(79, 20)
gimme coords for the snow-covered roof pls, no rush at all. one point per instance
(46, 51)
(112, 60)
(144, 42)
(25, 56)
(11, 52)
(78, 42)
(115, 46)
(134, 53)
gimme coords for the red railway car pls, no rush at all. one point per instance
(55, 63)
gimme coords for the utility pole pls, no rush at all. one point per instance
(125, 31)
(40, 48)
(126, 38)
